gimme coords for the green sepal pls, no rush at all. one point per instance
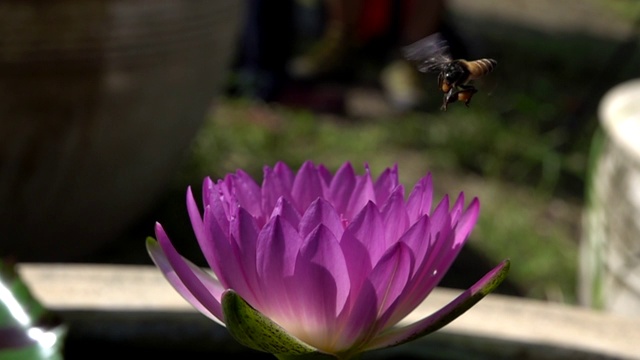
(251, 328)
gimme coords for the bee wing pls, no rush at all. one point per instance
(426, 48)
(431, 53)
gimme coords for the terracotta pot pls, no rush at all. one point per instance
(99, 100)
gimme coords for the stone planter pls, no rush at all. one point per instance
(610, 255)
(133, 310)
(99, 100)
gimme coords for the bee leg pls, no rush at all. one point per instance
(465, 94)
(462, 93)
(440, 82)
(448, 98)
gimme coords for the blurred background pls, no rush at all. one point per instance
(325, 81)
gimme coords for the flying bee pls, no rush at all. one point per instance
(454, 75)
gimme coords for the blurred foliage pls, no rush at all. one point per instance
(522, 147)
(627, 9)
(517, 221)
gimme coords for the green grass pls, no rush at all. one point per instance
(626, 9)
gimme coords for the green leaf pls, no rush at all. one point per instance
(251, 328)
(27, 329)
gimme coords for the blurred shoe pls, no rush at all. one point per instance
(325, 57)
(402, 85)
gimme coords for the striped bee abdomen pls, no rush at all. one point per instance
(480, 67)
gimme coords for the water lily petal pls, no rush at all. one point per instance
(277, 249)
(325, 175)
(439, 230)
(358, 318)
(369, 229)
(225, 201)
(466, 222)
(218, 251)
(434, 266)
(195, 217)
(389, 277)
(429, 271)
(194, 285)
(287, 212)
(457, 208)
(418, 240)
(217, 204)
(277, 182)
(319, 289)
(321, 212)
(447, 248)
(286, 175)
(363, 193)
(394, 217)
(377, 295)
(207, 191)
(244, 235)
(248, 193)
(215, 228)
(440, 216)
(358, 261)
(445, 315)
(387, 183)
(420, 198)
(420, 243)
(341, 188)
(307, 186)
(321, 247)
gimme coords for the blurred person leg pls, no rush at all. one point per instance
(420, 18)
(334, 46)
(400, 79)
(266, 45)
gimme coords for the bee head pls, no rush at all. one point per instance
(454, 72)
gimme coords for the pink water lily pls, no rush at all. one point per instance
(329, 262)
